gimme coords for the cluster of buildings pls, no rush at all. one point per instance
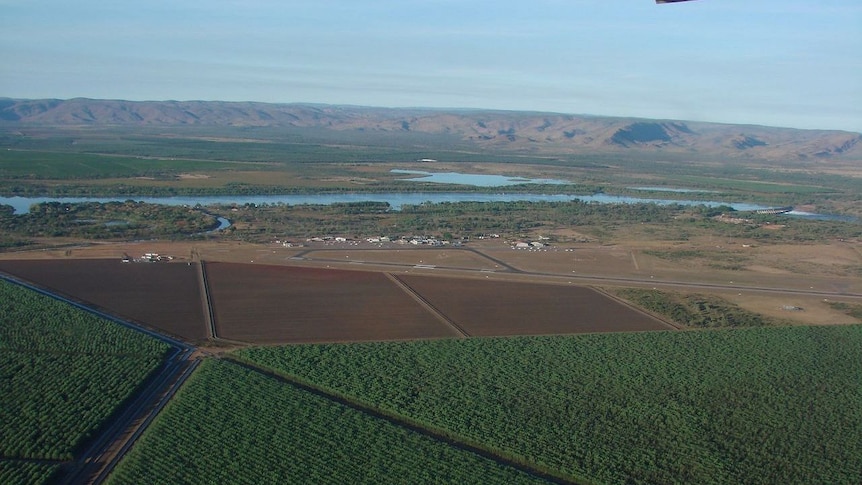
(147, 258)
(529, 245)
(414, 240)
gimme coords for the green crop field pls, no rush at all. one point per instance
(37, 165)
(26, 472)
(758, 405)
(64, 372)
(230, 424)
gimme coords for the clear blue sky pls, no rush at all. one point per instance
(775, 62)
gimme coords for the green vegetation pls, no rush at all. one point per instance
(40, 165)
(854, 310)
(229, 424)
(693, 310)
(139, 161)
(262, 223)
(111, 220)
(760, 405)
(755, 186)
(604, 222)
(26, 472)
(65, 372)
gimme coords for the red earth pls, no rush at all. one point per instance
(496, 308)
(161, 296)
(255, 303)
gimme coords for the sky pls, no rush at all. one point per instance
(790, 63)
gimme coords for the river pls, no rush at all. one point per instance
(396, 200)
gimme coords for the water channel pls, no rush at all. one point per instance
(396, 200)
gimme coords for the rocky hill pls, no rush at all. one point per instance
(504, 130)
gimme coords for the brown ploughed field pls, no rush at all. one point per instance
(282, 304)
(257, 303)
(497, 308)
(162, 296)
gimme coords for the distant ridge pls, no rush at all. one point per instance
(530, 132)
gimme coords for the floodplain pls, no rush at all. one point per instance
(519, 317)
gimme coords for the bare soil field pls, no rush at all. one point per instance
(162, 296)
(798, 309)
(831, 270)
(444, 258)
(79, 249)
(837, 259)
(497, 308)
(829, 267)
(281, 304)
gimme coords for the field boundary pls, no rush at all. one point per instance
(206, 300)
(171, 383)
(92, 463)
(427, 305)
(405, 422)
(660, 318)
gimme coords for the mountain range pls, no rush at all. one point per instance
(525, 132)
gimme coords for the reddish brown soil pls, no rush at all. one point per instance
(279, 304)
(492, 308)
(284, 304)
(163, 296)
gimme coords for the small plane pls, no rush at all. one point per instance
(671, 1)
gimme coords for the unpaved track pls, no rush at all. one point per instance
(206, 301)
(174, 377)
(427, 305)
(95, 463)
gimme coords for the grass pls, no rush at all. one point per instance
(41, 165)
(854, 310)
(694, 310)
(749, 186)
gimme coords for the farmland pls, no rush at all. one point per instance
(762, 405)
(232, 425)
(161, 296)
(65, 373)
(26, 472)
(258, 303)
(498, 308)
(283, 304)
